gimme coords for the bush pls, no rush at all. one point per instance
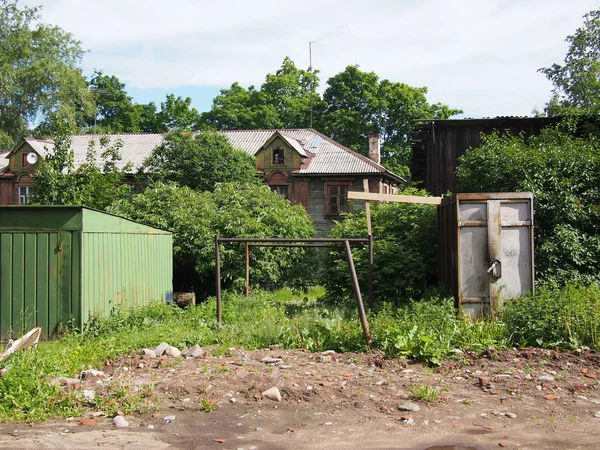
(404, 251)
(565, 318)
(232, 210)
(563, 172)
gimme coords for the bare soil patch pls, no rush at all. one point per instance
(524, 398)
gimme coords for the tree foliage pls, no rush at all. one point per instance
(38, 70)
(231, 210)
(354, 104)
(563, 172)
(199, 162)
(359, 103)
(283, 101)
(577, 81)
(95, 184)
(404, 252)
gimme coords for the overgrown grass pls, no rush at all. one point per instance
(427, 330)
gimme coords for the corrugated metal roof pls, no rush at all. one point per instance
(327, 156)
(330, 157)
(135, 147)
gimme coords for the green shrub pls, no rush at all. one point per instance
(563, 172)
(231, 210)
(565, 318)
(404, 250)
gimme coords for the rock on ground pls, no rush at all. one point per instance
(173, 351)
(193, 352)
(162, 347)
(120, 422)
(147, 353)
(409, 406)
(272, 394)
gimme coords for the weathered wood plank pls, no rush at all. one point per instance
(394, 198)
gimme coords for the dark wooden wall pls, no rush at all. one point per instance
(438, 144)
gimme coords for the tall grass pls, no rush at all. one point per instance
(428, 330)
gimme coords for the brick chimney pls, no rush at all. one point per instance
(375, 147)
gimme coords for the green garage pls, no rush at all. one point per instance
(64, 264)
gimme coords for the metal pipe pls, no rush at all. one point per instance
(342, 241)
(359, 302)
(247, 270)
(274, 244)
(218, 276)
(371, 301)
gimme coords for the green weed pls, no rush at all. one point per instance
(428, 394)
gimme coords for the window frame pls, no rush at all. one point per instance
(279, 151)
(338, 183)
(24, 163)
(27, 196)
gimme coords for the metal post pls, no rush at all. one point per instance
(247, 270)
(359, 302)
(371, 301)
(218, 276)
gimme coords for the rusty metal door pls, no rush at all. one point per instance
(495, 246)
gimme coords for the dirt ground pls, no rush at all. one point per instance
(489, 400)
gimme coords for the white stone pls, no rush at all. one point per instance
(89, 395)
(409, 406)
(162, 348)
(169, 418)
(151, 427)
(92, 373)
(546, 379)
(173, 352)
(120, 422)
(272, 394)
(147, 353)
(193, 352)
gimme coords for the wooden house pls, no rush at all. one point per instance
(303, 165)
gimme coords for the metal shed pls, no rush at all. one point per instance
(485, 248)
(66, 263)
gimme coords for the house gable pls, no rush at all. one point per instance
(279, 153)
(17, 159)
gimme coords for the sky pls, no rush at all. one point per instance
(481, 56)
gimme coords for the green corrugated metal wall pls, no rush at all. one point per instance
(65, 263)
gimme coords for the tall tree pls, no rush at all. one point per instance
(577, 81)
(358, 103)
(114, 111)
(283, 101)
(176, 113)
(38, 70)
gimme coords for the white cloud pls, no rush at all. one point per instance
(481, 56)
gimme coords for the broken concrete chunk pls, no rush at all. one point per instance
(409, 406)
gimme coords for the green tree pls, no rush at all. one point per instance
(358, 103)
(404, 252)
(231, 210)
(577, 81)
(39, 76)
(176, 113)
(95, 184)
(563, 172)
(199, 162)
(283, 101)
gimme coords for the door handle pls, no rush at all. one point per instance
(495, 269)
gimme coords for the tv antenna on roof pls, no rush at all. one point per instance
(312, 84)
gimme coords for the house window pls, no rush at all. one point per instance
(336, 198)
(278, 156)
(281, 190)
(24, 162)
(25, 193)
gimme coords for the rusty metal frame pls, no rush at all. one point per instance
(299, 242)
